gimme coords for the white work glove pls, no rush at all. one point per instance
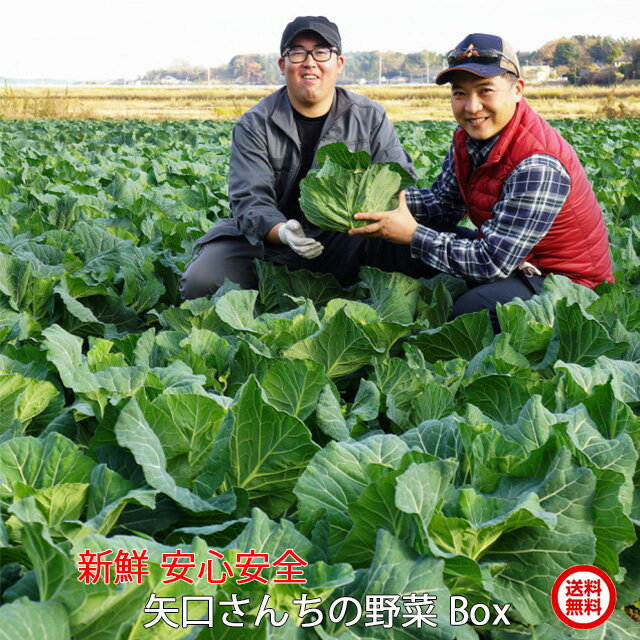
(291, 234)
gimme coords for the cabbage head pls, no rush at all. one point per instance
(347, 183)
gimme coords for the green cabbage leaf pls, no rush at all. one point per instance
(347, 183)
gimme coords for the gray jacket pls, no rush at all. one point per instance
(265, 157)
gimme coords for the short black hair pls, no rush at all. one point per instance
(510, 77)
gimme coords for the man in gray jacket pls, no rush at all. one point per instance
(273, 147)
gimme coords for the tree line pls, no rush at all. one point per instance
(589, 59)
(583, 59)
(361, 66)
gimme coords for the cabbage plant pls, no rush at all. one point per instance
(347, 183)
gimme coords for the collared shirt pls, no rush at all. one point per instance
(532, 196)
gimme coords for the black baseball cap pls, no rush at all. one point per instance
(483, 55)
(319, 24)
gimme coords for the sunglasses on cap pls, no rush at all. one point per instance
(481, 56)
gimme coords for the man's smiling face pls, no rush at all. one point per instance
(310, 83)
(484, 106)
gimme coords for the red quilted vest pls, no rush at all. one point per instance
(576, 245)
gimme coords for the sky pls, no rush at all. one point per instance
(96, 40)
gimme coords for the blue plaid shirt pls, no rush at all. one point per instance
(532, 196)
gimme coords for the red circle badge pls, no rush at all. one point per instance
(583, 596)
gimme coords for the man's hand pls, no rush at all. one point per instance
(291, 234)
(397, 226)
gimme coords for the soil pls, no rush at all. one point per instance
(633, 613)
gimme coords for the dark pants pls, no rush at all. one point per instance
(343, 255)
(487, 295)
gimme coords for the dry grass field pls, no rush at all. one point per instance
(228, 103)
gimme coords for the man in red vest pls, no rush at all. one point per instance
(517, 179)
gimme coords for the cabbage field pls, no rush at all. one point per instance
(393, 452)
